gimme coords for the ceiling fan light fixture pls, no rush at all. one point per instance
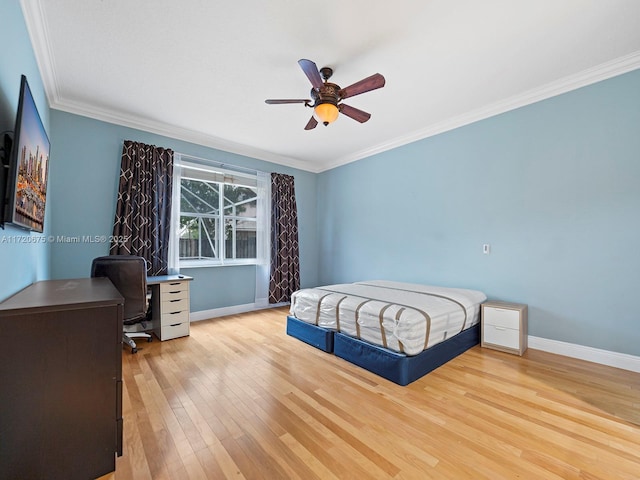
(326, 113)
(326, 96)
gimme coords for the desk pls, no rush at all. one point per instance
(170, 305)
(61, 380)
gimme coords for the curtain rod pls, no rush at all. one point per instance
(214, 163)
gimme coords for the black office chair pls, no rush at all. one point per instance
(128, 274)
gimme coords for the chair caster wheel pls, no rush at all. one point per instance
(134, 350)
(150, 339)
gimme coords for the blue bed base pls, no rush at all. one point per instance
(400, 368)
(319, 337)
(396, 367)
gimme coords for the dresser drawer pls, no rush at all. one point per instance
(177, 285)
(167, 332)
(175, 304)
(180, 316)
(174, 293)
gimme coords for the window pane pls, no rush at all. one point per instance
(217, 219)
(240, 238)
(249, 209)
(189, 234)
(240, 201)
(246, 244)
(229, 235)
(199, 197)
(197, 237)
(208, 244)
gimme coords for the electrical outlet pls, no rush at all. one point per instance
(486, 249)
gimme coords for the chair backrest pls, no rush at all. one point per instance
(128, 274)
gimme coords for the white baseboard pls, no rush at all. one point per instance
(590, 354)
(232, 310)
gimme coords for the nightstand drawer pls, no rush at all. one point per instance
(505, 337)
(502, 317)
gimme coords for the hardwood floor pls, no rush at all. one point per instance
(241, 399)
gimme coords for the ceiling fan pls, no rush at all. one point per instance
(326, 96)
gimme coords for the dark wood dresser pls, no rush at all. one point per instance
(61, 380)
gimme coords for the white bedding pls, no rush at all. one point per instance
(404, 317)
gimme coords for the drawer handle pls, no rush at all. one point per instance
(175, 283)
(174, 292)
(174, 313)
(175, 325)
(176, 300)
(499, 328)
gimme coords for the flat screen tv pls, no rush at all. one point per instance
(28, 166)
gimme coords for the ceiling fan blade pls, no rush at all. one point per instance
(311, 124)
(310, 69)
(354, 113)
(365, 85)
(282, 101)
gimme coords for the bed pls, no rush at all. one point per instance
(400, 331)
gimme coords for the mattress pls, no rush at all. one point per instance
(403, 317)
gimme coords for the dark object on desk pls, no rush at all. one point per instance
(61, 380)
(128, 274)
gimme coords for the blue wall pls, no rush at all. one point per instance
(84, 184)
(23, 259)
(552, 187)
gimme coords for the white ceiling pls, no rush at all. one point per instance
(200, 70)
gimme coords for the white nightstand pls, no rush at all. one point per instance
(504, 326)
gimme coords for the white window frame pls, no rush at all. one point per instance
(214, 172)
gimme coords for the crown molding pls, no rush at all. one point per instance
(178, 133)
(38, 31)
(587, 77)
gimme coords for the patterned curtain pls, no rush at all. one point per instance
(143, 211)
(285, 258)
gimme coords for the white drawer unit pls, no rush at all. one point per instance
(504, 326)
(170, 306)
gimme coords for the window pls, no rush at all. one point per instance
(219, 220)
